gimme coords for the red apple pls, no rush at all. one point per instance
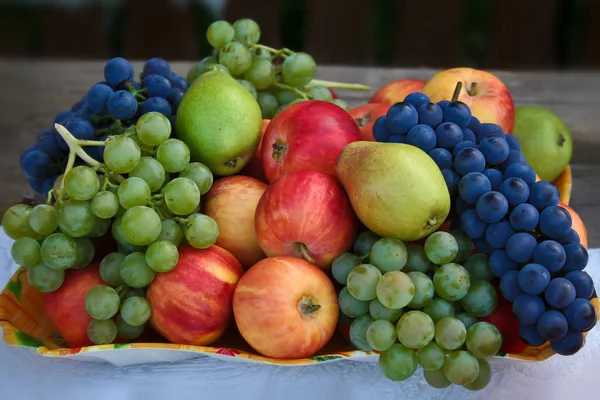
(486, 95)
(306, 214)
(65, 307)
(255, 168)
(396, 91)
(508, 325)
(365, 116)
(307, 135)
(285, 308)
(192, 303)
(231, 202)
(577, 225)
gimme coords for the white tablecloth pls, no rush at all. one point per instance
(25, 375)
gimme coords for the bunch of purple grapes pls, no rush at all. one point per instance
(108, 108)
(514, 219)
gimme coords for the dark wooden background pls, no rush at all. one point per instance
(499, 34)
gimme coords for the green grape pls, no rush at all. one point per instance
(450, 333)
(59, 251)
(219, 33)
(100, 227)
(248, 86)
(398, 363)
(151, 171)
(43, 219)
(117, 232)
(342, 266)
(261, 73)
(381, 335)
(441, 248)
(431, 357)
(162, 256)
(236, 58)
(133, 192)
(81, 183)
(135, 270)
(128, 331)
(135, 311)
(388, 254)
(102, 331)
(415, 329)
(417, 259)
(267, 103)
(140, 225)
(484, 340)
(320, 93)
(465, 245)
(341, 103)
(478, 267)
(481, 300)
(110, 269)
(200, 174)
(461, 368)
(199, 68)
(364, 243)
(483, 377)
(286, 96)
(171, 231)
(262, 54)
(218, 67)
(15, 222)
(85, 252)
(424, 291)
(358, 332)
(350, 305)
(26, 252)
(246, 31)
(153, 128)
(436, 379)
(395, 289)
(182, 196)
(438, 309)
(44, 278)
(379, 311)
(173, 154)
(102, 302)
(76, 218)
(362, 282)
(298, 69)
(201, 231)
(105, 204)
(467, 319)
(451, 281)
(121, 154)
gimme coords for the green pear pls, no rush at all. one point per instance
(396, 190)
(545, 139)
(220, 122)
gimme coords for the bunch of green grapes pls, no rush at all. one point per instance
(146, 194)
(275, 77)
(418, 306)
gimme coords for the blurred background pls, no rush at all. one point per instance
(489, 34)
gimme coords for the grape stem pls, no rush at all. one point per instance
(293, 89)
(283, 53)
(337, 85)
(76, 149)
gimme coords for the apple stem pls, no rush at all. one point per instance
(304, 253)
(471, 89)
(278, 151)
(457, 91)
(337, 85)
(307, 306)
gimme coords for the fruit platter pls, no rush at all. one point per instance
(245, 212)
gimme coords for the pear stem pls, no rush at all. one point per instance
(457, 91)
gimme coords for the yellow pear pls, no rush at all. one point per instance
(396, 190)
